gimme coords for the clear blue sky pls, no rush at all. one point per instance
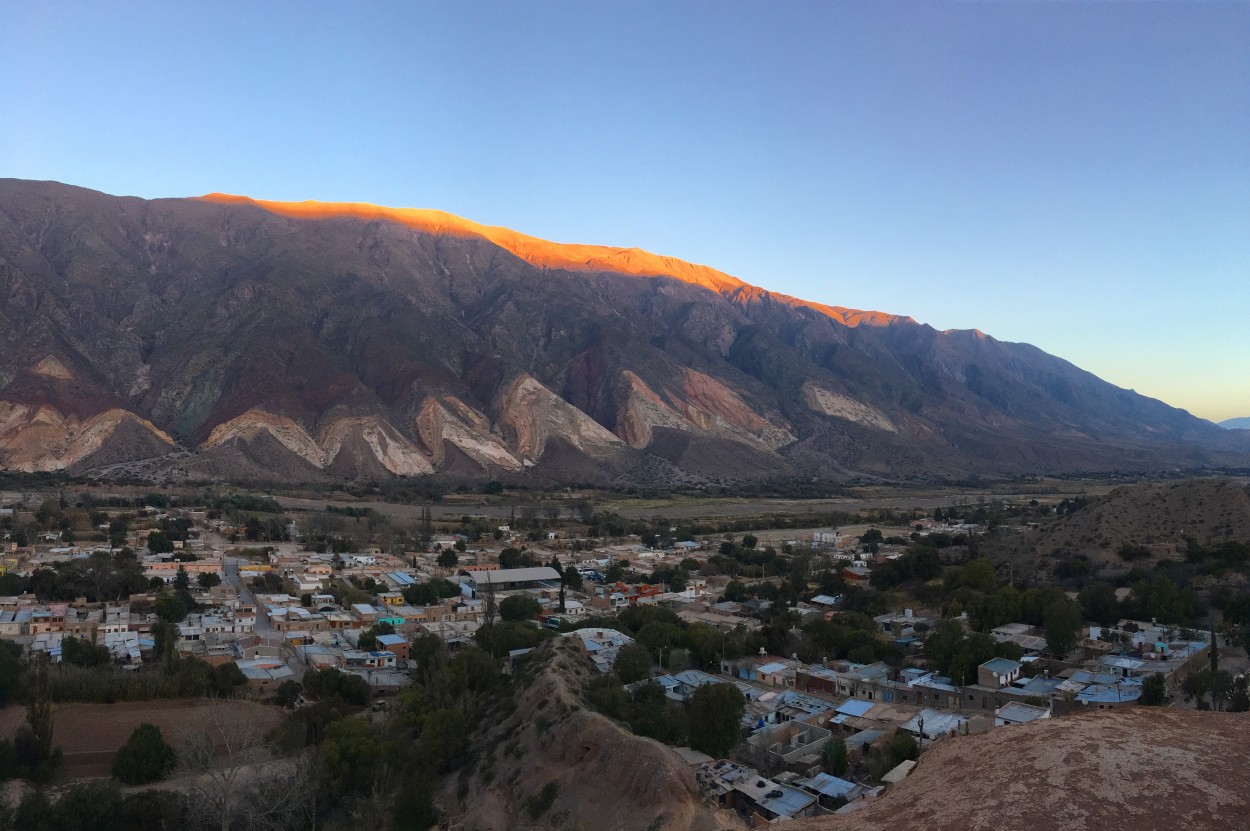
(1073, 175)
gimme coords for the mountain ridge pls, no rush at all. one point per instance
(546, 254)
(267, 345)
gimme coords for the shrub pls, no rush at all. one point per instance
(541, 802)
(145, 757)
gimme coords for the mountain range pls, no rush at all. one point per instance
(223, 337)
(1236, 423)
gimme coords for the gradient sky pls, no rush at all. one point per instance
(1073, 175)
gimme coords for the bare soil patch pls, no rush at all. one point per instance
(1145, 768)
(89, 734)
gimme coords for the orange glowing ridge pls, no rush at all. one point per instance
(566, 256)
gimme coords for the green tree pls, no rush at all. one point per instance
(11, 583)
(715, 713)
(1215, 650)
(32, 743)
(1099, 603)
(182, 581)
(353, 755)
(977, 575)
(158, 543)
(1221, 688)
(34, 812)
(658, 635)
(227, 678)
(1154, 691)
(501, 638)
(834, 757)
(208, 579)
(331, 683)
(899, 748)
(287, 694)
(369, 638)
(10, 670)
(145, 757)
(447, 558)
(89, 806)
(519, 607)
(1035, 601)
(1062, 626)
(171, 608)
(633, 663)
(164, 639)
(1161, 598)
(1239, 701)
(83, 653)
(1195, 688)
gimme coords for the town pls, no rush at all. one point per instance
(826, 693)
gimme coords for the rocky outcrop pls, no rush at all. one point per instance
(830, 403)
(450, 421)
(358, 435)
(43, 439)
(702, 405)
(530, 415)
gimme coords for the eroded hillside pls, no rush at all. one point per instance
(1142, 768)
(602, 776)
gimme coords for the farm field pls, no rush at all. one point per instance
(89, 734)
(712, 507)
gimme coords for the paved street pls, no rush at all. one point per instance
(263, 627)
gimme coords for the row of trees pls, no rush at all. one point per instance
(710, 721)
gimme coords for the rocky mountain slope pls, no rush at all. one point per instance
(304, 341)
(1140, 768)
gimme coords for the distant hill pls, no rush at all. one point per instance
(222, 337)
(1086, 772)
(1236, 423)
(1151, 516)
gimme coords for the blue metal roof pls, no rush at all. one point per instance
(1110, 693)
(855, 707)
(830, 785)
(1002, 666)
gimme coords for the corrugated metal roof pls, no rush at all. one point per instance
(514, 575)
(829, 785)
(856, 707)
